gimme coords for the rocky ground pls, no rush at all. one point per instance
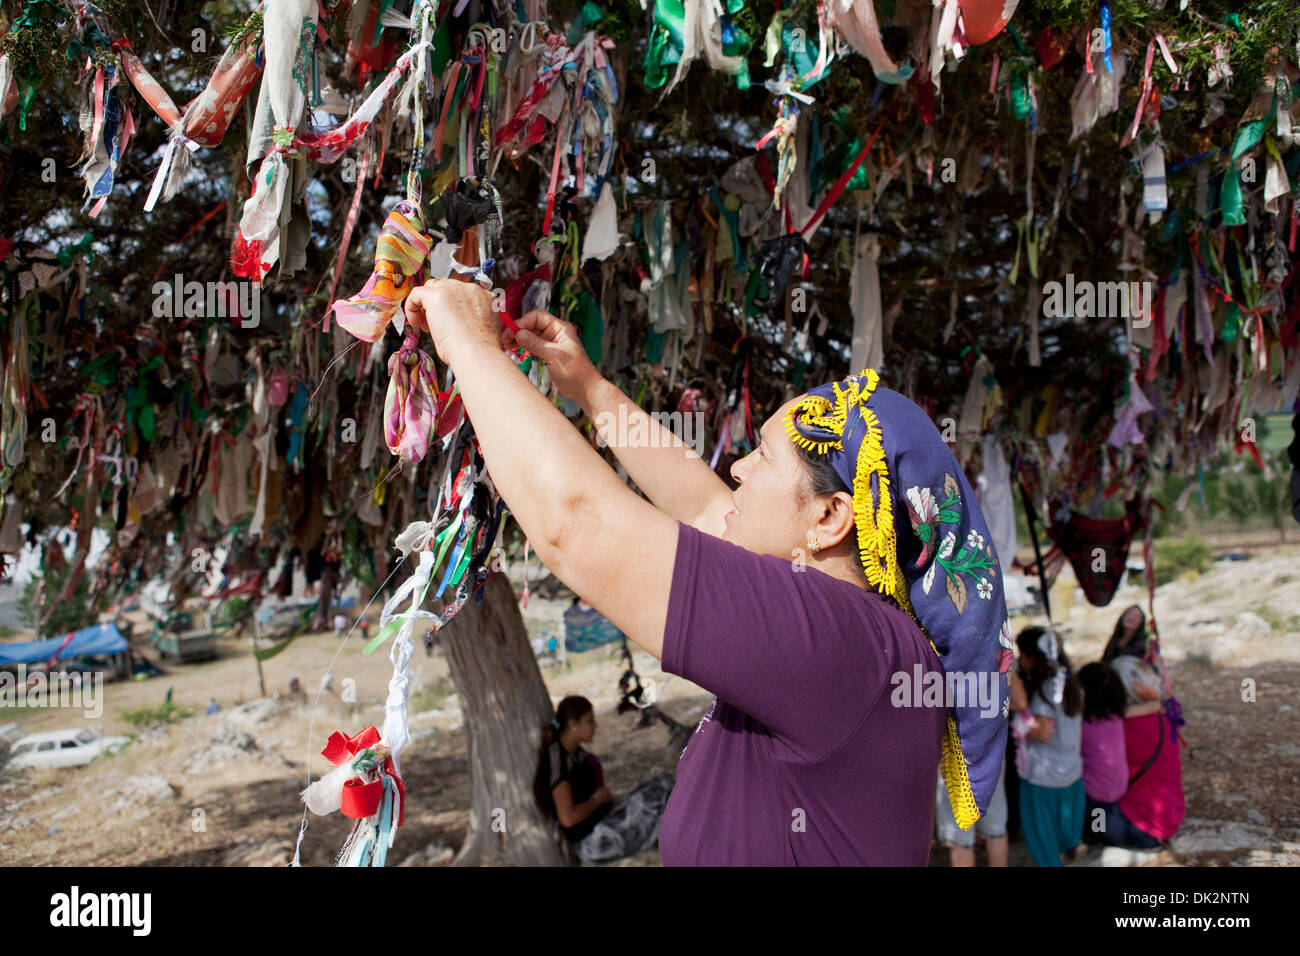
(222, 790)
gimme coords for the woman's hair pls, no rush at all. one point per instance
(1139, 637)
(823, 479)
(1037, 670)
(1103, 692)
(571, 708)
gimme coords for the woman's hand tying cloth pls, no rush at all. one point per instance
(672, 475)
(610, 546)
(558, 344)
(453, 310)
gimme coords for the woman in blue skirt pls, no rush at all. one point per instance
(1051, 786)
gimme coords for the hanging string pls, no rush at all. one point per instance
(311, 398)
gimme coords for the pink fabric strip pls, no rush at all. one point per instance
(993, 75)
(127, 132)
(584, 63)
(1164, 51)
(467, 137)
(97, 127)
(149, 88)
(348, 226)
(1142, 94)
(722, 442)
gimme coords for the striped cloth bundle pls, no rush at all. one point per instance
(400, 253)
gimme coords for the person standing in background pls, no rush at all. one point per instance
(1051, 787)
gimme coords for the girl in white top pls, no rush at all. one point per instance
(1051, 786)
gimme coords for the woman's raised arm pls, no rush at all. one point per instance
(669, 471)
(610, 546)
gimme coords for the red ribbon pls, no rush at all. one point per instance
(361, 800)
(68, 640)
(1252, 447)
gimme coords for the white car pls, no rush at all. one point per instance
(62, 748)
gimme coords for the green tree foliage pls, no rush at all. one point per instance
(70, 615)
(1231, 494)
(1173, 559)
(234, 607)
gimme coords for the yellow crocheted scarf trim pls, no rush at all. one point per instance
(953, 763)
(873, 514)
(877, 542)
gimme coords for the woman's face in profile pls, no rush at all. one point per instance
(587, 727)
(767, 518)
(1132, 620)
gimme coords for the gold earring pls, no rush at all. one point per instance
(813, 546)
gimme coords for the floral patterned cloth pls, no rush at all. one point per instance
(943, 567)
(411, 403)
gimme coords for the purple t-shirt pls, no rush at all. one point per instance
(802, 759)
(1105, 765)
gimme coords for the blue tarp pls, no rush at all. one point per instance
(90, 641)
(585, 628)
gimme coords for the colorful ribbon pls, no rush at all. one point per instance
(361, 799)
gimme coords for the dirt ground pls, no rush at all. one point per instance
(223, 790)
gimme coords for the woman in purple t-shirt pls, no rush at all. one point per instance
(803, 599)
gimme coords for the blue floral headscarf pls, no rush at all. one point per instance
(923, 542)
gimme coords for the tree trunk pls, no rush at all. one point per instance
(505, 704)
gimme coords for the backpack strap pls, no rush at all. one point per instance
(1160, 743)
